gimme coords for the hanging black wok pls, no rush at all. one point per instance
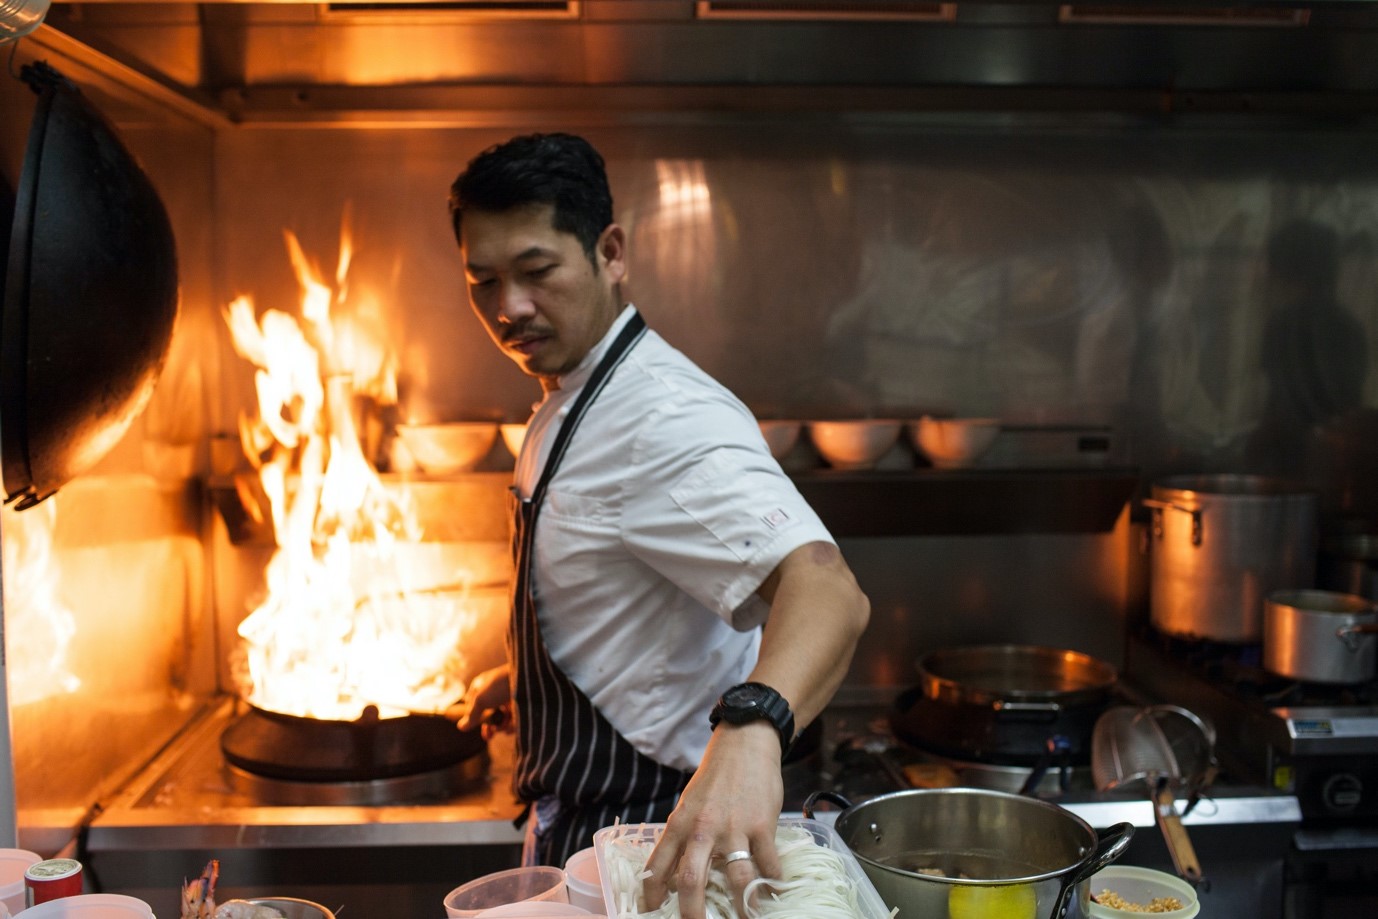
(90, 295)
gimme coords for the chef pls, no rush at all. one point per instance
(679, 612)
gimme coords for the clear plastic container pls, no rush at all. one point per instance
(20, 17)
(536, 909)
(869, 902)
(516, 885)
(584, 880)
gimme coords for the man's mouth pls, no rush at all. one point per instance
(526, 343)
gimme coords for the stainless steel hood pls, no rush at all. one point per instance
(474, 59)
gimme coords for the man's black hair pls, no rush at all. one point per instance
(563, 170)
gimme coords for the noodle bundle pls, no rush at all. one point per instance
(814, 882)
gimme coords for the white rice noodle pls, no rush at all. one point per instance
(814, 883)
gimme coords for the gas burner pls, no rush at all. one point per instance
(1237, 669)
(419, 788)
(301, 760)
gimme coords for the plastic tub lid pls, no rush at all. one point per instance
(12, 865)
(1141, 885)
(91, 906)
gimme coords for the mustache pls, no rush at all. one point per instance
(518, 334)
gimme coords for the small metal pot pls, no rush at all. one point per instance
(1320, 636)
(293, 908)
(976, 838)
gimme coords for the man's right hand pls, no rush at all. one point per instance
(486, 703)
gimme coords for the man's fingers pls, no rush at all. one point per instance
(740, 873)
(691, 878)
(661, 866)
(765, 857)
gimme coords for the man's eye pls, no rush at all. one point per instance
(542, 271)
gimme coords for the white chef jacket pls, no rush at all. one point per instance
(665, 515)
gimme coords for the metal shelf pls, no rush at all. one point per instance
(968, 502)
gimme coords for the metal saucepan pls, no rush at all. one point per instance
(1321, 636)
(927, 849)
(1003, 703)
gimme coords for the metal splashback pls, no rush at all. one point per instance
(468, 61)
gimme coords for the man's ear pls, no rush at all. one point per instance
(611, 253)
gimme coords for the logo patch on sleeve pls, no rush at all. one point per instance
(776, 518)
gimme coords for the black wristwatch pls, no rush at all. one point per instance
(750, 701)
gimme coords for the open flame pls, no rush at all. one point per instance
(341, 628)
(36, 617)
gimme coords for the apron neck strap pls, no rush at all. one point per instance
(621, 346)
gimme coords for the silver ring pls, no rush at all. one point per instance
(737, 856)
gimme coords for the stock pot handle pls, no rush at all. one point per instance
(1111, 845)
(831, 797)
(1160, 506)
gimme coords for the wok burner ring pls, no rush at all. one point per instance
(290, 759)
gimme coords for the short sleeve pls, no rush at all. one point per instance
(724, 514)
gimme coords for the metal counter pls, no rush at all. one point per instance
(187, 799)
(401, 859)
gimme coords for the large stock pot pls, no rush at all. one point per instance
(948, 852)
(1220, 545)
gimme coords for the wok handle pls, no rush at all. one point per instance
(1175, 835)
(1111, 843)
(831, 797)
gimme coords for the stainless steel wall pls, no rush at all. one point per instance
(1068, 274)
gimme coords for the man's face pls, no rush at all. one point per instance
(536, 292)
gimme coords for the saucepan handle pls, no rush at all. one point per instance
(831, 797)
(1110, 845)
(1348, 634)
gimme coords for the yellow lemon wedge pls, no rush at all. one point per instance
(1008, 901)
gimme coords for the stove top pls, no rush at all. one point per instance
(1318, 741)
(190, 797)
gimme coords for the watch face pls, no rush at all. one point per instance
(743, 696)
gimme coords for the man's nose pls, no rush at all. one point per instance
(515, 304)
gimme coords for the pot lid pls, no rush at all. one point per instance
(90, 295)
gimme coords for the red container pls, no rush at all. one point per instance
(51, 879)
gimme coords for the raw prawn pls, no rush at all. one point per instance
(198, 896)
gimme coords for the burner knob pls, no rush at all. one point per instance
(1342, 792)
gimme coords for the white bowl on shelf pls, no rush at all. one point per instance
(512, 437)
(857, 443)
(446, 447)
(954, 443)
(780, 435)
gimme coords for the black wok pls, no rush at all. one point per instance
(90, 295)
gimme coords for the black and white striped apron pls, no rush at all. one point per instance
(565, 747)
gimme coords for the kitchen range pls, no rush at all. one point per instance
(1067, 224)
